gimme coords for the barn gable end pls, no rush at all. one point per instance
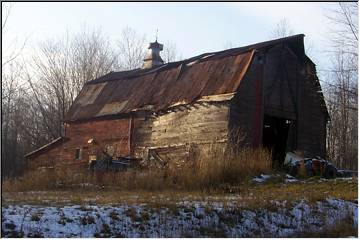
(280, 105)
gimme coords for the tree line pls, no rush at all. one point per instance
(341, 86)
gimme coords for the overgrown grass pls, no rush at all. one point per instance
(217, 166)
(45, 180)
(212, 168)
(247, 195)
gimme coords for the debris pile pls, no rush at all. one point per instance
(317, 166)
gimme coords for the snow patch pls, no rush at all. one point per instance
(262, 178)
(186, 219)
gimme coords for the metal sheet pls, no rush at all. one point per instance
(89, 94)
(112, 108)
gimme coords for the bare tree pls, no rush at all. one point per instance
(11, 48)
(13, 103)
(15, 106)
(282, 29)
(62, 67)
(6, 9)
(342, 106)
(132, 49)
(170, 52)
(344, 26)
(92, 55)
(341, 85)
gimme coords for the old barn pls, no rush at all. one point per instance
(267, 92)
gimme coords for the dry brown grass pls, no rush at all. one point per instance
(214, 167)
(249, 196)
(229, 166)
(312, 191)
(341, 229)
(45, 180)
(31, 180)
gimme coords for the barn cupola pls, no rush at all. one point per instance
(153, 57)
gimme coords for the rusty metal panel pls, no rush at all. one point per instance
(112, 108)
(160, 89)
(90, 93)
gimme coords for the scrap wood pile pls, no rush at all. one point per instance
(110, 163)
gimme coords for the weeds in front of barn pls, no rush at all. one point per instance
(213, 168)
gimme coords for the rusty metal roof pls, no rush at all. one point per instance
(157, 88)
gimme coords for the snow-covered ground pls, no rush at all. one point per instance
(187, 219)
(262, 178)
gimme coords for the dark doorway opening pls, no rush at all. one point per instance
(275, 137)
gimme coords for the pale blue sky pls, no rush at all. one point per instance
(194, 27)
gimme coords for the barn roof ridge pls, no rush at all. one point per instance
(128, 74)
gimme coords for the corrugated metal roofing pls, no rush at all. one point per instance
(158, 88)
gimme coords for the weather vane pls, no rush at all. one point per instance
(156, 36)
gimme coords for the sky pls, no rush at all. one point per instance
(195, 28)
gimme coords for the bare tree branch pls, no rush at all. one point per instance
(282, 29)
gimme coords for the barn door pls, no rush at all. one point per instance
(275, 137)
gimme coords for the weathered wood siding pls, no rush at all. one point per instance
(282, 84)
(281, 73)
(246, 108)
(277, 84)
(312, 118)
(290, 92)
(173, 134)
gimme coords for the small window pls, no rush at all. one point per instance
(78, 154)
